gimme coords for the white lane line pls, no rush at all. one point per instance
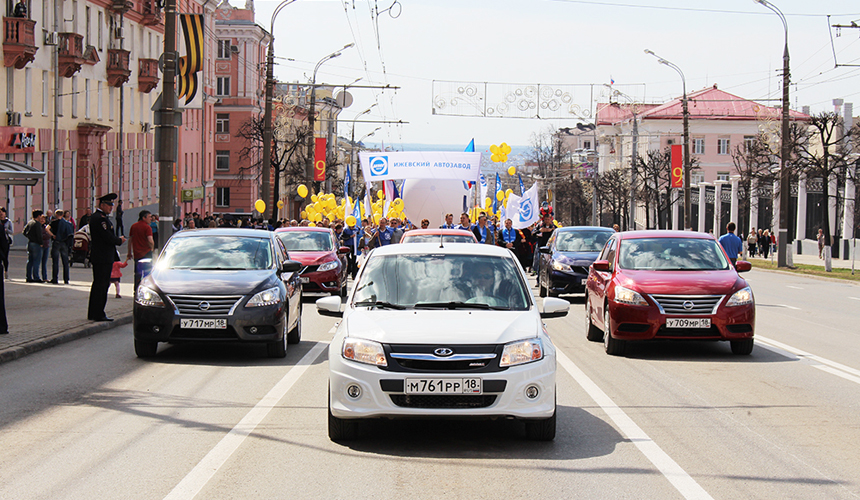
(787, 307)
(832, 367)
(855, 298)
(686, 485)
(795, 287)
(191, 485)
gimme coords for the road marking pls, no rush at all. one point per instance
(855, 298)
(795, 287)
(787, 307)
(191, 485)
(686, 485)
(823, 364)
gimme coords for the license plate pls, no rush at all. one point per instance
(303, 279)
(218, 324)
(688, 322)
(444, 386)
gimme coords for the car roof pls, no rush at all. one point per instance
(588, 228)
(302, 228)
(663, 233)
(446, 248)
(459, 232)
(246, 232)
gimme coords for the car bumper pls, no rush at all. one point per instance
(163, 324)
(381, 390)
(564, 282)
(322, 281)
(646, 323)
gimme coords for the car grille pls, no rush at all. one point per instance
(454, 402)
(309, 269)
(700, 304)
(218, 305)
(668, 333)
(194, 334)
(579, 270)
(464, 359)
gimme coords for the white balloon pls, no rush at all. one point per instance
(431, 199)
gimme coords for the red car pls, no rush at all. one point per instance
(435, 235)
(322, 256)
(668, 285)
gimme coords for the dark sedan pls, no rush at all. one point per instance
(220, 285)
(566, 258)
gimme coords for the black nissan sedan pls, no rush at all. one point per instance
(220, 285)
(566, 258)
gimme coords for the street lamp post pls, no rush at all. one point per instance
(309, 168)
(352, 142)
(784, 178)
(688, 215)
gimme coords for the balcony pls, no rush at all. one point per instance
(117, 67)
(151, 13)
(71, 53)
(19, 44)
(121, 6)
(147, 75)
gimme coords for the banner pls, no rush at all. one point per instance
(676, 172)
(319, 158)
(380, 166)
(189, 91)
(523, 210)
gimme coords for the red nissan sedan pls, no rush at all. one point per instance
(322, 258)
(668, 285)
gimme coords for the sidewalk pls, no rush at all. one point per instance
(813, 260)
(42, 315)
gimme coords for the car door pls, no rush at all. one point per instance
(599, 280)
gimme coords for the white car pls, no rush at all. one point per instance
(441, 331)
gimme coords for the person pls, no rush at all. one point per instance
(153, 224)
(764, 242)
(140, 243)
(731, 243)
(64, 236)
(20, 9)
(752, 239)
(525, 250)
(483, 232)
(116, 274)
(483, 283)
(541, 236)
(396, 230)
(120, 228)
(33, 232)
(382, 235)
(509, 237)
(85, 219)
(465, 222)
(425, 223)
(449, 222)
(177, 225)
(820, 243)
(616, 227)
(760, 241)
(47, 236)
(349, 238)
(5, 241)
(102, 255)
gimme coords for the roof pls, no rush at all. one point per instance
(247, 232)
(447, 248)
(565, 229)
(13, 173)
(665, 234)
(303, 228)
(419, 232)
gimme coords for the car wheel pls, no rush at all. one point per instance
(742, 347)
(613, 346)
(551, 293)
(145, 348)
(592, 333)
(343, 289)
(295, 335)
(542, 289)
(541, 430)
(278, 348)
(341, 429)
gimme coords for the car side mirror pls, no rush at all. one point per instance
(601, 265)
(742, 266)
(291, 266)
(343, 250)
(554, 308)
(544, 249)
(330, 306)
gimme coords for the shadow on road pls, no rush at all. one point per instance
(697, 350)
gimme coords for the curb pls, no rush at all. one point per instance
(61, 338)
(802, 275)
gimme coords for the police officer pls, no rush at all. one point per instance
(103, 254)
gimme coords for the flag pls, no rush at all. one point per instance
(522, 187)
(498, 188)
(611, 81)
(471, 147)
(319, 158)
(347, 207)
(368, 203)
(188, 87)
(484, 188)
(523, 210)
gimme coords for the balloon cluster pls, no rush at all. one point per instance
(500, 153)
(328, 206)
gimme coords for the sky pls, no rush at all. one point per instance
(583, 44)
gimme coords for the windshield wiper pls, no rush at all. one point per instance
(379, 303)
(453, 305)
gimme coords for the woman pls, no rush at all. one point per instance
(821, 243)
(752, 241)
(765, 243)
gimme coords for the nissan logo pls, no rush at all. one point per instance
(443, 351)
(688, 304)
(203, 306)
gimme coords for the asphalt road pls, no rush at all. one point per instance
(670, 420)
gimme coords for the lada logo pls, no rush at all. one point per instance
(443, 351)
(203, 306)
(688, 305)
(378, 165)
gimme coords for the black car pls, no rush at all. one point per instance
(566, 258)
(220, 285)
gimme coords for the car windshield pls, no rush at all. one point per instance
(217, 253)
(434, 238)
(306, 241)
(442, 281)
(582, 241)
(671, 254)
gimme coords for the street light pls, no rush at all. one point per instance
(784, 179)
(352, 141)
(688, 215)
(309, 168)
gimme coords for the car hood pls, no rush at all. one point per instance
(442, 326)
(681, 282)
(311, 258)
(187, 281)
(576, 258)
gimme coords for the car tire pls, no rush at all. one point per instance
(613, 346)
(343, 289)
(742, 347)
(592, 333)
(145, 348)
(295, 335)
(278, 348)
(551, 293)
(541, 289)
(541, 430)
(341, 429)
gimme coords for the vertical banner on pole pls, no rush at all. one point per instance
(676, 172)
(319, 159)
(188, 89)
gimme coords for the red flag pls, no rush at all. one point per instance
(676, 172)
(319, 159)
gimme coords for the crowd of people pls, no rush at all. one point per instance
(760, 242)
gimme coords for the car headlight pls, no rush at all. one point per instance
(628, 296)
(523, 351)
(146, 296)
(265, 298)
(742, 297)
(328, 266)
(560, 266)
(364, 351)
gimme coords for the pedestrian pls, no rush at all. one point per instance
(483, 232)
(120, 228)
(465, 222)
(425, 223)
(177, 225)
(396, 230)
(760, 241)
(141, 244)
(5, 241)
(382, 236)
(541, 237)
(616, 227)
(820, 243)
(752, 240)
(765, 243)
(116, 275)
(85, 219)
(63, 239)
(47, 237)
(509, 237)
(153, 224)
(449, 222)
(731, 243)
(103, 254)
(33, 232)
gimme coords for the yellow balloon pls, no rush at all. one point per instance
(304, 214)
(318, 206)
(398, 203)
(311, 224)
(260, 206)
(503, 157)
(505, 149)
(350, 221)
(302, 190)
(318, 217)
(500, 195)
(376, 218)
(280, 203)
(380, 195)
(494, 149)
(494, 158)
(508, 192)
(512, 170)
(487, 201)
(314, 197)
(331, 203)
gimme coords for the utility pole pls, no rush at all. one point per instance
(166, 134)
(55, 55)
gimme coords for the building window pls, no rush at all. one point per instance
(131, 105)
(224, 49)
(223, 86)
(28, 92)
(699, 146)
(99, 28)
(222, 123)
(87, 98)
(10, 89)
(749, 141)
(222, 160)
(111, 99)
(586, 144)
(46, 93)
(722, 176)
(222, 197)
(89, 40)
(74, 97)
(697, 177)
(99, 99)
(722, 146)
(60, 92)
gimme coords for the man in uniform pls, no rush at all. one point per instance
(103, 254)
